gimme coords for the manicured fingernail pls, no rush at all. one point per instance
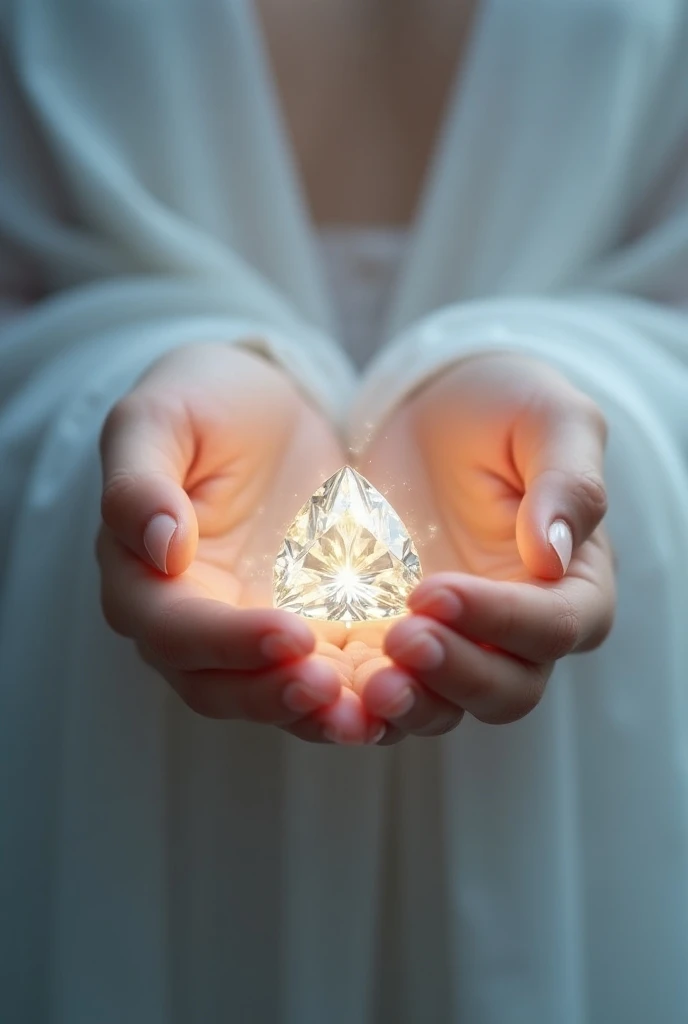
(378, 734)
(423, 652)
(401, 704)
(440, 604)
(282, 647)
(560, 538)
(157, 538)
(303, 698)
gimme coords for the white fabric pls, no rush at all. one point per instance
(361, 267)
(160, 869)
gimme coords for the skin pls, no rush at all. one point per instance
(489, 454)
(363, 88)
(224, 470)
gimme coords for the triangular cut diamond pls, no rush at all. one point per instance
(347, 556)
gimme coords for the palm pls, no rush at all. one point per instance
(447, 462)
(461, 511)
(244, 500)
(244, 508)
(255, 450)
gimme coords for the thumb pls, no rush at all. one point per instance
(144, 503)
(560, 457)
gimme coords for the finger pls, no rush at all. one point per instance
(187, 630)
(395, 696)
(491, 686)
(146, 451)
(560, 458)
(348, 723)
(280, 697)
(536, 623)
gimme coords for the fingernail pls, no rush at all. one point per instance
(377, 735)
(561, 539)
(157, 538)
(302, 698)
(440, 604)
(423, 652)
(282, 647)
(401, 704)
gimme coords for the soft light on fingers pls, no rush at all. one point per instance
(533, 621)
(145, 457)
(188, 630)
(347, 722)
(491, 686)
(280, 697)
(199, 633)
(290, 693)
(398, 697)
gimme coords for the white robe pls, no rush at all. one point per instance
(156, 868)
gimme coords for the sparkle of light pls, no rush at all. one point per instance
(347, 556)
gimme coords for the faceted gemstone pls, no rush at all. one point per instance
(347, 556)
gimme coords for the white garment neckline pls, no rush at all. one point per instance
(361, 266)
(457, 106)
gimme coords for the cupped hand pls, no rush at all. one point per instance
(497, 466)
(201, 461)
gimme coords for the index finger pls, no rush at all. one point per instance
(187, 630)
(537, 622)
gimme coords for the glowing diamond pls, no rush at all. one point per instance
(347, 555)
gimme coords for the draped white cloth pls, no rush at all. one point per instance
(156, 868)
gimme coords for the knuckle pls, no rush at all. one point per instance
(589, 491)
(565, 631)
(116, 494)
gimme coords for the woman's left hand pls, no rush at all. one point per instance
(507, 456)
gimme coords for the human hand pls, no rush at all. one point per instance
(200, 461)
(502, 458)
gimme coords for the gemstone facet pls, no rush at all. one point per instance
(347, 556)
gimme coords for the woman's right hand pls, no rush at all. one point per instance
(200, 461)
